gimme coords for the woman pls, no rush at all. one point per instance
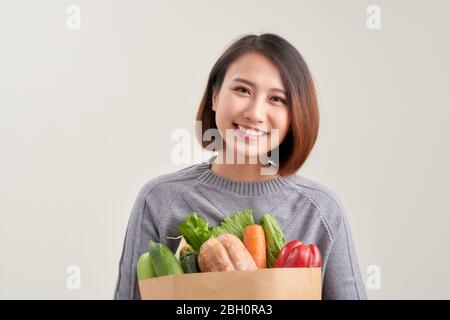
(261, 100)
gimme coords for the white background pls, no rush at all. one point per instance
(86, 118)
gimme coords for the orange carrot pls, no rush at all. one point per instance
(255, 242)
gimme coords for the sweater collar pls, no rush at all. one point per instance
(241, 188)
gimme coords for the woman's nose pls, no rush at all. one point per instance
(256, 110)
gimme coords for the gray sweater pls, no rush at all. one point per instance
(305, 210)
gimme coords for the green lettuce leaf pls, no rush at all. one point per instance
(236, 223)
(196, 231)
(274, 238)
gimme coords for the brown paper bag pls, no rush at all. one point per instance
(261, 284)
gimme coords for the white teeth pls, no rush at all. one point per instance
(251, 132)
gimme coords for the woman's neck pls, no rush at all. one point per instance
(240, 172)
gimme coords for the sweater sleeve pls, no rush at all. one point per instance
(140, 230)
(342, 277)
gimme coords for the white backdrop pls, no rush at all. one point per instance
(86, 117)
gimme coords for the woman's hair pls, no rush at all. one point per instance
(301, 96)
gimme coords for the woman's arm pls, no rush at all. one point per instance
(140, 230)
(342, 277)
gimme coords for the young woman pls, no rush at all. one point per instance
(261, 99)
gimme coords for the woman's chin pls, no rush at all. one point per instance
(250, 153)
(247, 153)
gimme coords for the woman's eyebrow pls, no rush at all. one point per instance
(250, 83)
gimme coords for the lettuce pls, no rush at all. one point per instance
(236, 223)
(274, 238)
(196, 231)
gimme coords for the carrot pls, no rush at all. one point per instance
(255, 242)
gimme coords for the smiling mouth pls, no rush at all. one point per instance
(249, 132)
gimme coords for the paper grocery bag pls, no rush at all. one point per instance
(261, 284)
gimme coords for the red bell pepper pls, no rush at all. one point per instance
(295, 254)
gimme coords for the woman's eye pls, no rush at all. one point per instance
(242, 89)
(279, 99)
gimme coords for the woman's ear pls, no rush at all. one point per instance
(214, 98)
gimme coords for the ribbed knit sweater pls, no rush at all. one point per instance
(304, 209)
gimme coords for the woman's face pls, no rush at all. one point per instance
(252, 95)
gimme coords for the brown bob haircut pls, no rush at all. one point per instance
(301, 96)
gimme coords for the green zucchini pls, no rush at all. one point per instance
(164, 261)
